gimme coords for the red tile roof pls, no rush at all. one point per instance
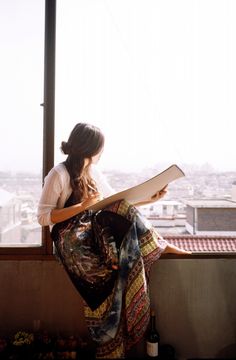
(209, 244)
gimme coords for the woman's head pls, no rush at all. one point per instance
(85, 141)
(83, 147)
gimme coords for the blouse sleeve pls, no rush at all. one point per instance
(102, 184)
(49, 197)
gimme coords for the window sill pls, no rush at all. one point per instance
(23, 257)
(202, 247)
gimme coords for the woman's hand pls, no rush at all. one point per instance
(159, 194)
(91, 200)
(58, 215)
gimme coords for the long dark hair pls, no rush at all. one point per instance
(85, 141)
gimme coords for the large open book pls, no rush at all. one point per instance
(145, 190)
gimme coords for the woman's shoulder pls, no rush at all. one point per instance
(60, 168)
(60, 171)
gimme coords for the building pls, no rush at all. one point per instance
(205, 217)
(10, 217)
(168, 216)
(233, 191)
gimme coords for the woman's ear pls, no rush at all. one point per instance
(87, 162)
(96, 158)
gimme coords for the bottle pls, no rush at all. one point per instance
(152, 338)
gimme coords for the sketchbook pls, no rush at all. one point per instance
(143, 191)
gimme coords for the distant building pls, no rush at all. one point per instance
(169, 208)
(211, 217)
(168, 216)
(10, 217)
(233, 191)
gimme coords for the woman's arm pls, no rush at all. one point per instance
(51, 194)
(54, 194)
(59, 215)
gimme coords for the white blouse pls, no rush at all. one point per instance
(57, 190)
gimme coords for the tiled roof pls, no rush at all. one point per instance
(203, 244)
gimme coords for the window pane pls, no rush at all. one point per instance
(159, 78)
(21, 92)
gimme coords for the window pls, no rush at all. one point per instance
(21, 146)
(159, 79)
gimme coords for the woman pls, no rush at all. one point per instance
(120, 316)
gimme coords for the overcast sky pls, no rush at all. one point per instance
(158, 77)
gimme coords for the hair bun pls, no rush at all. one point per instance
(65, 148)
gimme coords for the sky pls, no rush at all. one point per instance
(158, 77)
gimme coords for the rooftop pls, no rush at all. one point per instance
(211, 203)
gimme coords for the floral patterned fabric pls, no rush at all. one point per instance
(120, 320)
(79, 253)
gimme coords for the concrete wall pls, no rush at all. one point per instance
(190, 215)
(195, 306)
(214, 219)
(194, 302)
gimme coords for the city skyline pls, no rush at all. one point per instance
(204, 189)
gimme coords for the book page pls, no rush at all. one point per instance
(143, 191)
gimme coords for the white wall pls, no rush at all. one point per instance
(233, 192)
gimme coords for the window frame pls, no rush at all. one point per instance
(45, 251)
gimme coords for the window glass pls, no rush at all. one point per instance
(159, 78)
(21, 126)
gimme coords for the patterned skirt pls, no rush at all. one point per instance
(122, 319)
